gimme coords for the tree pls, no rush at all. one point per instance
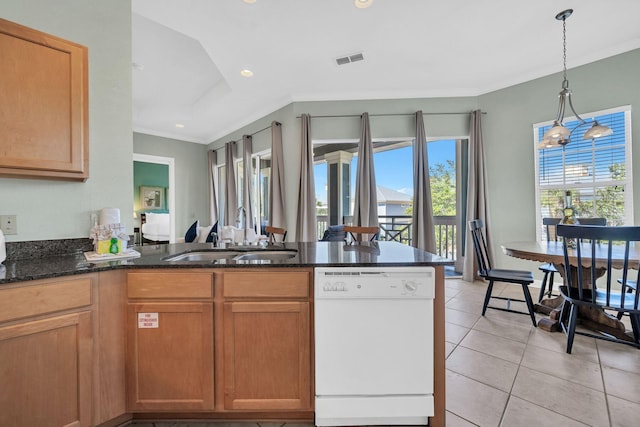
(442, 178)
(443, 188)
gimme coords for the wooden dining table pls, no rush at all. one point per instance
(552, 252)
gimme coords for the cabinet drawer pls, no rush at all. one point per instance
(188, 284)
(46, 297)
(267, 284)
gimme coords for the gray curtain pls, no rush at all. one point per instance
(477, 195)
(423, 232)
(247, 177)
(365, 202)
(306, 220)
(277, 217)
(230, 196)
(213, 194)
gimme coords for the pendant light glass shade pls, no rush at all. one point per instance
(559, 134)
(597, 131)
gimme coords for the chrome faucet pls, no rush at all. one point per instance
(242, 218)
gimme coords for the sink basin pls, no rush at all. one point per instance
(266, 255)
(201, 256)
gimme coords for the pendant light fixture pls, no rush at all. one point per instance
(559, 134)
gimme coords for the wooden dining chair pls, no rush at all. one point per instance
(487, 272)
(595, 249)
(357, 233)
(272, 232)
(549, 269)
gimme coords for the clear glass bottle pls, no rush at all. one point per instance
(569, 216)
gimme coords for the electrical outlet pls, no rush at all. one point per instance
(9, 224)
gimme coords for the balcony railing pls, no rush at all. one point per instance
(398, 228)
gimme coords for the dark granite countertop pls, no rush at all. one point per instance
(312, 254)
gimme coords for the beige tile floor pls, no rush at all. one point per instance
(501, 371)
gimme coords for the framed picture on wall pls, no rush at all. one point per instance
(152, 197)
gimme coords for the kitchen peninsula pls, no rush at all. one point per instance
(147, 338)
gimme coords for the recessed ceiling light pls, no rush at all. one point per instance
(250, 1)
(246, 73)
(362, 4)
(179, 125)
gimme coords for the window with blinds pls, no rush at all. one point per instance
(597, 172)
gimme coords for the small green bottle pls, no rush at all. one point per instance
(113, 247)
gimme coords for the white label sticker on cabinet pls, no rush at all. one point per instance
(147, 320)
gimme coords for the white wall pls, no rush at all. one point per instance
(57, 209)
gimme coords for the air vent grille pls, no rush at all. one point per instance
(350, 58)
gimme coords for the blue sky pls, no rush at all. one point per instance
(394, 168)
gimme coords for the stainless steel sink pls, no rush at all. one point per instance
(266, 255)
(201, 256)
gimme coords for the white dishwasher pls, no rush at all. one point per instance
(374, 345)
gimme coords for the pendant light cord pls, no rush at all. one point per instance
(565, 83)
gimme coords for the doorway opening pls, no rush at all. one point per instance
(170, 190)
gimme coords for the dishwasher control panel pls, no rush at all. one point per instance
(374, 282)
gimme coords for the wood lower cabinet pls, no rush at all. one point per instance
(170, 360)
(46, 372)
(266, 340)
(267, 363)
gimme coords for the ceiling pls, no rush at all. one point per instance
(188, 54)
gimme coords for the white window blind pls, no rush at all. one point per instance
(597, 172)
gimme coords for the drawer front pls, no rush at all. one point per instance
(180, 285)
(267, 284)
(45, 297)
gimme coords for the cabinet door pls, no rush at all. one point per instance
(46, 372)
(170, 359)
(267, 362)
(44, 105)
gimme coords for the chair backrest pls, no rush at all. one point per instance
(272, 232)
(550, 225)
(334, 233)
(480, 246)
(357, 233)
(592, 221)
(598, 249)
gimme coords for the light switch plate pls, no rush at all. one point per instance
(9, 224)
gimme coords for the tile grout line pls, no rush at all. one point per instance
(604, 385)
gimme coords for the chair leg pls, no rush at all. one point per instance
(571, 332)
(635, 325)
(543, 286)
(487, 297)
(550, 284)
(527, 298)
(564, 312)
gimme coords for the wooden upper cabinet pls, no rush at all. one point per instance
(43, 105)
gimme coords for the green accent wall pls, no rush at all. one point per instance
(149, 175)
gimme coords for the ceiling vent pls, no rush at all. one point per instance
(350, 58)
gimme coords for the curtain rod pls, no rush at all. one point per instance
(258, 131)
(388, 114)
